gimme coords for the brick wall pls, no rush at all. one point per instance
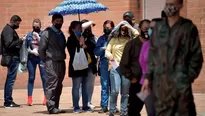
(196, 12)
(30, 9)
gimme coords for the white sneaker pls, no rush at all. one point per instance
(91, 106)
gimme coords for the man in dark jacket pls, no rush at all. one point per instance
(52, 52)
(11, 45)
(131, 69)
(174, 62)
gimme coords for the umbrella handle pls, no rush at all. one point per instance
(78, 15)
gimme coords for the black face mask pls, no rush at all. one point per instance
(58, 26)
(87, 33)
(36, 29)
(15, 26)
(107, 31)
(130, 22)
(144, 35)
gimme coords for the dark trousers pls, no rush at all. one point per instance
(55, 72)
(135, 104)
(10, 80)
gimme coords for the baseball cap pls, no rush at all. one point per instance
(129, 14)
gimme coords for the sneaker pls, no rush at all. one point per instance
(12, 105)
(103, 110)
(111, 114)
(29, 102)
(91, 106)
(77, 110)
(87, 109)
(44, 101)
(123, 114)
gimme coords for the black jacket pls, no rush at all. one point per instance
(51, 47)
(72, 44)
(91, 44)
(10, 42)
(129, 65)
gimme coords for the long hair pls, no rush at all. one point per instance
(72, 26)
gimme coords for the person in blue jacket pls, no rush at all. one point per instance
(32, 43)
(103, 64)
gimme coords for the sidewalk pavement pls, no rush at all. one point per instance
(20, 97)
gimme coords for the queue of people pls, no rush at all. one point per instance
(157, 59)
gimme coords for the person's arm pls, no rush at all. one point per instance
(125, 62)
(9, 40)
(135, 32)
(86, 25)
(195, 56)
(43, 46)
(99, 49)
(108, 51)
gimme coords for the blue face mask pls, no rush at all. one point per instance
(78, 33)
(149, 31)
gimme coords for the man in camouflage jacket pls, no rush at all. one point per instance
(175, 61)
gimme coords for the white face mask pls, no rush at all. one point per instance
(172, 10)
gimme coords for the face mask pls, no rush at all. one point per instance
(144, 35)
(78, 33)
(87, 32)
(130, 22)
(58, 26)
(107, 31)
(36, 29)
(149, 31)
(15, 26)
(171, 10)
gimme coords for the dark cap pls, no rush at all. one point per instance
(129, 14)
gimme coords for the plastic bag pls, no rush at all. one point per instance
(23, 53)
(80, 61)
(22, 68)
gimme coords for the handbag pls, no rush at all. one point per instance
(80, 61)
(6, 60)
(23, 53)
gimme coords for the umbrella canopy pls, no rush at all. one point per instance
(68, 7)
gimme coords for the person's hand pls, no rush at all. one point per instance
(36, 35)
(111, 58)
(145, 86)
(134, 80)
(24, 37)
(104, 48)
(84, 46)
(35, 52)
(126, 25)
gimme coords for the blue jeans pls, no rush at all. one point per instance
(10, 80)
(77, 82)
(33, 61)
(118, 81)
(105, 83)
(90, 83)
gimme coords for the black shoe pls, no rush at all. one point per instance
(55, 111)
(61, 111)
(12, 105)
(103, 110)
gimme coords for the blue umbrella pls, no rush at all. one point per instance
(74, 7)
